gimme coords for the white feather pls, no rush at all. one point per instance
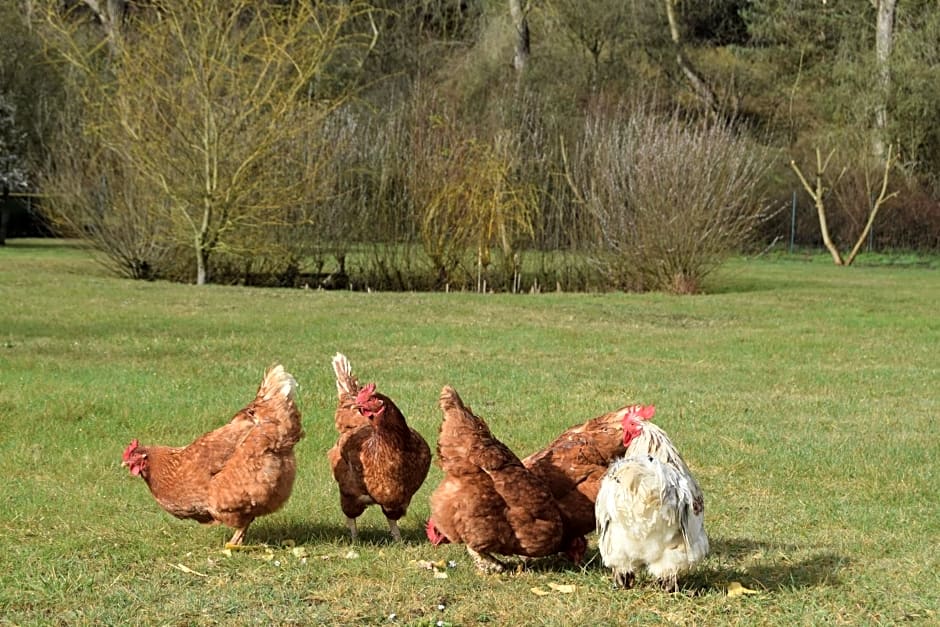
(650, 510)
(346, 383)
(278, 381)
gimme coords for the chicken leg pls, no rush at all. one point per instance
(353, 530)
(624, 579)
(394, 530)
(239, 536)
(485, 562)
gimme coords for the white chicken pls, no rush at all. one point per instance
(649, 509)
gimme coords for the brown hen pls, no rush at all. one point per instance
(575, 462)
(488, 500)
(380, 461)
(240, 471)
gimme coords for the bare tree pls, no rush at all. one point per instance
(819, 189)
(671, 199)
(593, 25)
(210, 104)
(108, 206)
(884, 39)
(519, 10)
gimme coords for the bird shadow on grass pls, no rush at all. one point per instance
(557, 564)
(305, 533)
(760, 566)
(297, 532)
(765, 566)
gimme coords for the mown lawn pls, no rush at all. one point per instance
(805, 397)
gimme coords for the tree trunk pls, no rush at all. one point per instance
(111, 18)
(520, 21)
(28, 11)
(884, 39)
(824, 225)
(595, 66)
(699, 85)
(202, 264)
(203, 243)
(817, 193)
(4, 215)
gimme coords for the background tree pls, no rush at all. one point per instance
(875, 188)
(31, 99)
(596, 28)
(672, 200)
(208, 106)
(13, 176)
(451, 162)
(700, 86)
(884, 41)
(110, 15)
(519, 11)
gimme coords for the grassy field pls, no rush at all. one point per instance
(805, 398)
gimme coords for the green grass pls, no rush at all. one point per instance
(804, 396)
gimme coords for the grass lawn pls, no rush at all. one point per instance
(805, 397)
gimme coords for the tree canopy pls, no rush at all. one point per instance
(434, 136)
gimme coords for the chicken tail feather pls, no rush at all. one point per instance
(277, 382)
(346, 383)
(450, 400)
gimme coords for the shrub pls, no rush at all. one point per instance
(107, 206)
(672, 199)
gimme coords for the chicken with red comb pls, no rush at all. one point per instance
(650, 509)
(230, 476)
(380, 461)
(488, 500)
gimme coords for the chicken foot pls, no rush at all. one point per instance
(238, 537)
(624, 579)
(486, 562)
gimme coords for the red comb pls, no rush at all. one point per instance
(130, 449)
(365, 393)
(641, 412)
(434, 534)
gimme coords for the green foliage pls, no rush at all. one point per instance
(802, 396)
(29, 88)
(213, 108)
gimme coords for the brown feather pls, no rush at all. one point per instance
(238, 472)
(575, 462)
(382, 461)
(488, 499)
(347, 416)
